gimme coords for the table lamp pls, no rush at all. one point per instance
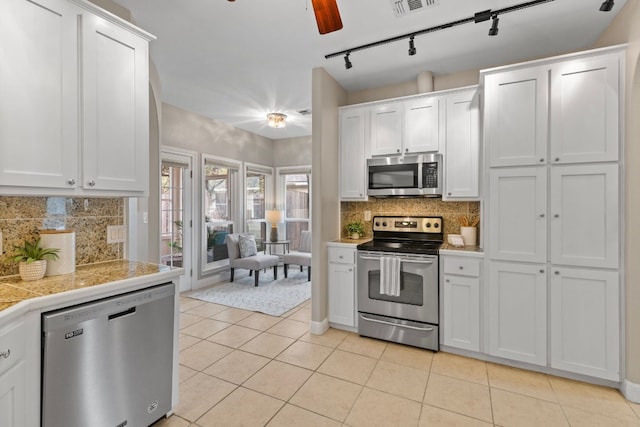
(273, 218)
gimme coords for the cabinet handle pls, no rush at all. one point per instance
(351, 269)
(71, 181)
(541, 271)
(91, 183)
(541, 160)
(448, 194)
(557, 273)
(340, 257)
(461, 268)
(398, 150)
(556, 216)
(557, 159)
(447, 280)
(406, 150)
(5, 354)
(542, 215)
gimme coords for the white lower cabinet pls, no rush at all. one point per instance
(342, 286)
(461, 310)
(585, 322)
(13, 397)
(518, 311)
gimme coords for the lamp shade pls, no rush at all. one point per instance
(273, 217)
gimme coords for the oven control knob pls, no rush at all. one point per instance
(384, 224)
(377, 224)
(428, 225)
(436, 225)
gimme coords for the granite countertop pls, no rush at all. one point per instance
(350, 241)
(447, 247)
(14, 290)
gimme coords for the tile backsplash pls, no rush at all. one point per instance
(22, 217)
(451, 212)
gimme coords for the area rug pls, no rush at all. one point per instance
(274, 297)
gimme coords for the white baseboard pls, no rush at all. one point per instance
(631, 391)
(319, 328)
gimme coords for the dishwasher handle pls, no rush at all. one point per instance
(124, 313)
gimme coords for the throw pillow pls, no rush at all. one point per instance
(247, 244)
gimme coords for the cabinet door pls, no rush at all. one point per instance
(421, 125)
(585, 110)
(584, 215)
(585, 325)
(462, 312)
(518, 214)
(115, 107)
(12, 397)
(516, 117)
(341, 288)
(352, 156)
(518, 312)
(462, 146)
(386, 129)
(39, 94)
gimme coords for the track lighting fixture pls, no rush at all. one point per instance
(606, 6)
(493, 31)
(412, 47)
(347, 63)
(478, 17)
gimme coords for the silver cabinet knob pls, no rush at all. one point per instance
(340, 257)
(448, 281)
(448, 194)
(398, 150)
(557, 159)
(541, 271)
(406, 150)
(542, 160)
(461, 268)
(556, 216)
(557, 273)
(5, 354)
(541, 215)
(351, 269)
(71, 181)
(91, 183)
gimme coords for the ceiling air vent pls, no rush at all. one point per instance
(405, 7)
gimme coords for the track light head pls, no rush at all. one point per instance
(412, 47)
(493, 31)
(347, 62)
(606, 6)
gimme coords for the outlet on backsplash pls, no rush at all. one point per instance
(451, 212)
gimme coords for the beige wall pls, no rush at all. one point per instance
(625, 29)
(327, 96)
(292, 151)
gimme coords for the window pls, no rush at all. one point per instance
(221, 208)
(258, 190)
(171, 213)
(294, 191)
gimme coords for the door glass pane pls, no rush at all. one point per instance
(218, 185)
(255, 205)
(171, 214)
(296, 207)
(411, 288)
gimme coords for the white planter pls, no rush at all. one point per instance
(32, 271)
(355, 235)
(469, 235)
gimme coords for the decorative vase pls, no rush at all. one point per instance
(32, 271)
(469, 235)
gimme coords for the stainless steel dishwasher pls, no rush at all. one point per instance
(108, 363)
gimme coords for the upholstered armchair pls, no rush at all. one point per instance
(302, 257)
(253, 263)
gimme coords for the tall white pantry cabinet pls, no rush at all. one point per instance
(74, 110)
(552, 141)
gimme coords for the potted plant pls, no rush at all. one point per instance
(32, 259)
(355, 229)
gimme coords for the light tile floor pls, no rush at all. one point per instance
(239, 368)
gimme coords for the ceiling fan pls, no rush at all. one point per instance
(327, 15)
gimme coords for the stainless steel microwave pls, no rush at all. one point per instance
(405, 176)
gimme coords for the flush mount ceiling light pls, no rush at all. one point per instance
(493, 31)
(412, 47)
(276, 120)
(606, 6)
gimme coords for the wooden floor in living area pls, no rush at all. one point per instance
(240, 368)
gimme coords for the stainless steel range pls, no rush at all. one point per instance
(398, 281)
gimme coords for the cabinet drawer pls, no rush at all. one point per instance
(342, 255)
(462, 266)
(12, 345)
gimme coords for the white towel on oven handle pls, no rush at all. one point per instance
(390, 270)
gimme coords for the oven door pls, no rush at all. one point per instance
(418, 297)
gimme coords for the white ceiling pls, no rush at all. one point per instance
(237, 61)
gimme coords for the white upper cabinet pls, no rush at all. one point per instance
(115, 107)
(584, 110)
(518, 214)
(421, 125)
(353, 180)
(585, 322)
(39, 94)
(462, 146)
(386, 129)
(516, 122)
(584, 215)
(74, 110)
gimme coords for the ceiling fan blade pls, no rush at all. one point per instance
(327, 15)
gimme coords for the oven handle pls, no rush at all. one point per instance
(427, 329)
(406, 260)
